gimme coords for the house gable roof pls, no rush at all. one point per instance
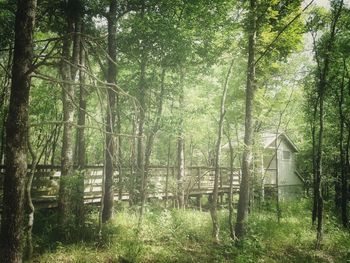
(268, 140)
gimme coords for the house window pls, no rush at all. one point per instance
(286, 155)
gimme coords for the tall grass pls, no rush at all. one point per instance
(185, 236)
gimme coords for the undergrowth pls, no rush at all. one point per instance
(185, 236)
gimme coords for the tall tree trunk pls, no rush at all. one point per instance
(321, 89)
(167, 173)
(149, 145)
(119, 153)
(2, 138)
(5, 92)
(29, 206)
(181, 150)
(314, 146)
(16, 130)
(319, 157)
(243, 201)
(342, 191)
(133, 161)
(111, 150)
(141, 116)
(140, 135)
(345, 183)
(156, 125)
(82, 114)
(55, 139)
(69, 66)
(214, 204)
(81, 144)
(230, 194)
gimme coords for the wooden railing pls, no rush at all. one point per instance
(162, 182)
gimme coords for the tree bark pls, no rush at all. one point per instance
(345, 183)
(133, 162)
(69, 66)
(342, 189)
(81, 144)
(4, 97)
(321, 89)
(181, 150)
(167, 173)
(156, 125)
(111, 147)
(17, 130)
(247, 157)
(314, 146)
(214, 204)
(29, 206)
(55, 139)
(141, 117)
(149, 146)
(230, 194)
(81, 113)
(2, 138)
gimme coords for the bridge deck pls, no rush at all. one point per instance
(162, 183)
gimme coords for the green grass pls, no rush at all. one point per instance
(185, 236)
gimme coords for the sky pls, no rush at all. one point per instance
(326, 3)
(323, 3)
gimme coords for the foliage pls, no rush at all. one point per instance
(193, 42)
(184, 236)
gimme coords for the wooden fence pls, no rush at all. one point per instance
(162, 183)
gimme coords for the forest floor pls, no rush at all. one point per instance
(185, 236)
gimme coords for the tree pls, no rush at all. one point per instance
(111, 150)
(323, 63)
(16, 130)
(213, 209)
(68, 69)
(275, 21)
(242, 209)
(181, 148)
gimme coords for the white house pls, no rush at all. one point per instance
(279, 168)
(274, 165)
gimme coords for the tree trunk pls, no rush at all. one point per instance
(5, 92)
(156, 125)
(181, 149)
(141, 116)
(82, 114)
(243, 201)
(111, 150)
(319, 157)
(133, 162)
(321, 89)
(81, 144)
(345, 182)
(29, 207)
(119, 153)
(149, 145)
(167, 173)
(181, 171)
(140, 135)
(314, 146)
(230, 194)
(2, 138)
(214, 204)
(54, 144)
(341, 191)
(69, 65)
(17, 130)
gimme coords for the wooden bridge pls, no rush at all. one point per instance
(162, 183)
